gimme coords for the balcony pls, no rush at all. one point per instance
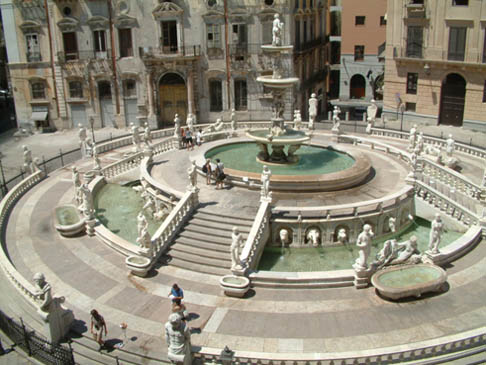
(83, 55)
(416, 9)
(415, 52)
(173, 52)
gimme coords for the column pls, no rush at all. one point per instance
(190, 90)
(150, 95)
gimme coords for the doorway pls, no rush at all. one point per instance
(173, 97)
(106, 103)
(453, 95)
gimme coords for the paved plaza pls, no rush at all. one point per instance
(91, 275)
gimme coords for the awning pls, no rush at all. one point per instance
(38, 116)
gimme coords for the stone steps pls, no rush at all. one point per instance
(224, 219)
(196, 259)
(276, 280)
(194, 235)
(197, 267)
(194, 242)
(200, 252)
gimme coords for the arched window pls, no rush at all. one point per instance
(357, 87)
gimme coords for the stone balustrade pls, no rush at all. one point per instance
(123, 165)
(157, 187)
(257, 237)
(6, 204)
(114, 144)
(164, 146)
(445, 204)
(471, 342)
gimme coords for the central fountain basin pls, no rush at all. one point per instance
(408, 280)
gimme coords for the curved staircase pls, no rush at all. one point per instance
(203, 245)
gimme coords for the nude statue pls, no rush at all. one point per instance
(395, 253)
(237, 243)
(450, 146)
(312, 110)
(277, 31)
(77, 186)
(178, 339)
(436, 230)
(364, 244)
(265, 179)
(141, 223)
(177, 126)
(147, 135)
(192, 173)
(314, 236)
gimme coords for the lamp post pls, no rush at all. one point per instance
(402, 109)
(91, 123)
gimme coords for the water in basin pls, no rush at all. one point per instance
(117, 208)
(67, 215)
(313, 160)
(409, 276)
(233, 280)
(342, 257)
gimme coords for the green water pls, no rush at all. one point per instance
(117, 208)
(409, 276)
(312, 160)
(342, 257)
(67, 216)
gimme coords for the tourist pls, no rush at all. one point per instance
(179, 308)
(183, 137)
(199, 137)
(176, 293)
(208, 170)
(189, 139)
(220, 175)
(98, 322)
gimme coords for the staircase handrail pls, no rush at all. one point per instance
(123, 165)
(256, 238)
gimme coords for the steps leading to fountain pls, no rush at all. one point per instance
(302, 280)
(204, 243)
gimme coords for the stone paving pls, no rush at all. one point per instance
(91, 275)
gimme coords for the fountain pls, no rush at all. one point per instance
(279, 135)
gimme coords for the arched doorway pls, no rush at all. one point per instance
(357, 88)
(453, 94)
(173, 97)
(106, 103)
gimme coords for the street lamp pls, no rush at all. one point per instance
(91, 123)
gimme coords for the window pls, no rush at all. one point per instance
(359, 53)
(214, 35)
(460, 2)
(484, 92)
(382, 20)
(75, 90)
(38, 90)
(359, 20)
(215, 95)
(457, 43)
(33, 48)
(99, 43)
(129, 88)
(70, 46)
(412, 79)
(241, 102)
(169, 36)
(410, 107)
(125, 42)
(414, 41)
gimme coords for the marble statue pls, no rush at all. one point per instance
(57, 319)
(234, 126)
(135, 137)
(342, 237)
(369, 125)
(141, 223)
(145, 242)
(28, 162)
(395, 253)
(314, 236)
(77, 186)
(237, 243)
(178, 339)
(35, 166)
(89, 147)
(161, 210)
(97, 162)
(364, 244)
(149, 203)
(436, 230)
(88, 207)
(190, 121)
(215, 127)
(413, 160)
(297, 120)
(177, 126)
(419, 148)
(147, 135)
(265, 179)
(83, 135)
(450, 146)
(277, 31)
(371, 112)
(335, 118)
(192, 174)
(284, 236)
(391, 224)
(412, 140)
(312, 110)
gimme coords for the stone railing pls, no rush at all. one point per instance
(445, 204)
(379, 146)
(450, 177)
(154, 185)
(164, 146)
(257, 237)
(173, 223)
(449, 348)
(114, 144)
(123, 165)
(21, 284)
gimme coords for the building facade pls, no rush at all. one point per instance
(436, 62)
(116, 62)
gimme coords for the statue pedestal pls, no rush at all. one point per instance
(434, 257)
(335, 135)
(145, 252)
(57, 320)
(361, 276)
(90, 224)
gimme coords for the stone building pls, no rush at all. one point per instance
(436, 62)
(359, 48)
(114, 62)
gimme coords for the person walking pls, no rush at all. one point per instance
(98, 324)
(183, 137)
(208, 170)
(189, 141)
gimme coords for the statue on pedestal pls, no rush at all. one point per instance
(364, 244)
(141, 223)
(234, 126)
(145, 242)
(314, 236)
(435, 236)
(82, 134)
(450, 146)
(190, 121)
(412, 140)
(312, 110)
(77, 186)
(237, 243)
(178, 339)
(135, 137)
(88, 207)
(28, 162)
(192, 174)
(265, 179)
(335, 119)
(297, 120)
(147, 135)
(277, 31)
(177, 126)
